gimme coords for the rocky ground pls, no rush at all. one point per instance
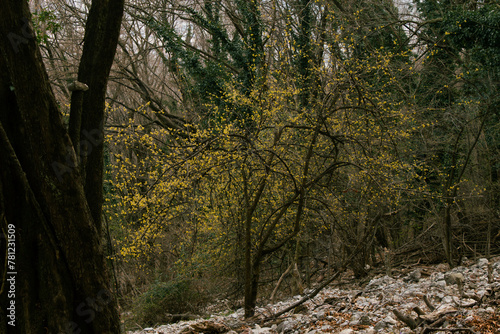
(420, 299)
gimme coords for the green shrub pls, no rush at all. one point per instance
(165, 298)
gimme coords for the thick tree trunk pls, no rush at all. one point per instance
(55, 278)
(101, 38)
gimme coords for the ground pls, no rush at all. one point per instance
(432, 299)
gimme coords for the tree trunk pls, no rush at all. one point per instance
(249, 277)
(101, 38)
(447, 235)
(252, 286)
(55, 279)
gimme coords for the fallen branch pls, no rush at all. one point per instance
(430, 321)
(474, 303)
(428, 303)
(317, 290)
(304, 299)
(436, 324)
(409, 321)
(418, 310)
(273, 294)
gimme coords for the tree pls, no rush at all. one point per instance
(51, 185)
(244, 188)
(458, 83)
(196, 174)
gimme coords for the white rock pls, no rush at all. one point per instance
(287, 326)
(381, 325)
(454, 278)
(482, 262)
(263, 330)
(439, 284)
(414, 276)
(390, 320)
(347, 331)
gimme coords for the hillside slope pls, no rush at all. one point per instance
(430, 299)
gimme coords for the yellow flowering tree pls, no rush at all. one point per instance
(244, 190)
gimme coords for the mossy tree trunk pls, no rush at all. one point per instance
(61, 281)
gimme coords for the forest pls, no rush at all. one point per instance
(157, 157)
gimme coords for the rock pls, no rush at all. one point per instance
(365, 320)
(259, 330)
(415, 276)
(360, 318)
(319, 315)
(355, 318)
(447, 300)
(347, 331)
(454, 278)
(390, 320)
(438, 284)
(496, 266)
(287, 326)
(482, 262)
(335, 309)
(381, 325)
(378, 282)
(490, 309)
(326, 328)
(210, 327)
(233, 322)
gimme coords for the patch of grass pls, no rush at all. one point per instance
(165, 298)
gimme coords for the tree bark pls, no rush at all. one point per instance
(101, 39)
(58, 282)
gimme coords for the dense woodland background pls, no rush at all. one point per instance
(248, 141)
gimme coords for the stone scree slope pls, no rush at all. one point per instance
(427, 299)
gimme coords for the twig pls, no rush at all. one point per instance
(428, 303)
